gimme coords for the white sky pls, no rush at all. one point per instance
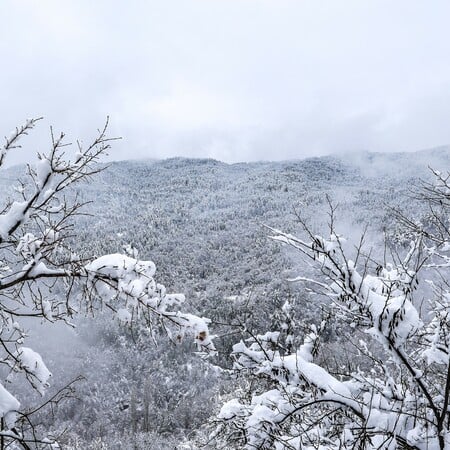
(234, 80)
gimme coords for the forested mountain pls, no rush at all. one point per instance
(204, 224)
(202, 221)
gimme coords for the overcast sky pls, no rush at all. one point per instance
(235, 80)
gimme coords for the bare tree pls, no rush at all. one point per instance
(42, 277)
(394, 391)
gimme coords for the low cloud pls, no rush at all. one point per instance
(233, 80)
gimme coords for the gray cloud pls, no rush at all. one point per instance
(230, 79)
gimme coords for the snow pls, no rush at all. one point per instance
(199, 325)
(124, 315)
(40, 269)
(32, 363)
(385, 308)
(117, 265)
(231, 409)
(135, 280)
(380, 305)
(305, 351)
(16, 214)
(43, 171)
(8, 407)
(293, 372)
(47, 310)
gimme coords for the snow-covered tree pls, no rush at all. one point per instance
(392, 391)
(43, 279)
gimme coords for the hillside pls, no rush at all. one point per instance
(198, 219)
(203, 223)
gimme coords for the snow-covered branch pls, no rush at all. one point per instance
(394, 394)
(42, 278)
